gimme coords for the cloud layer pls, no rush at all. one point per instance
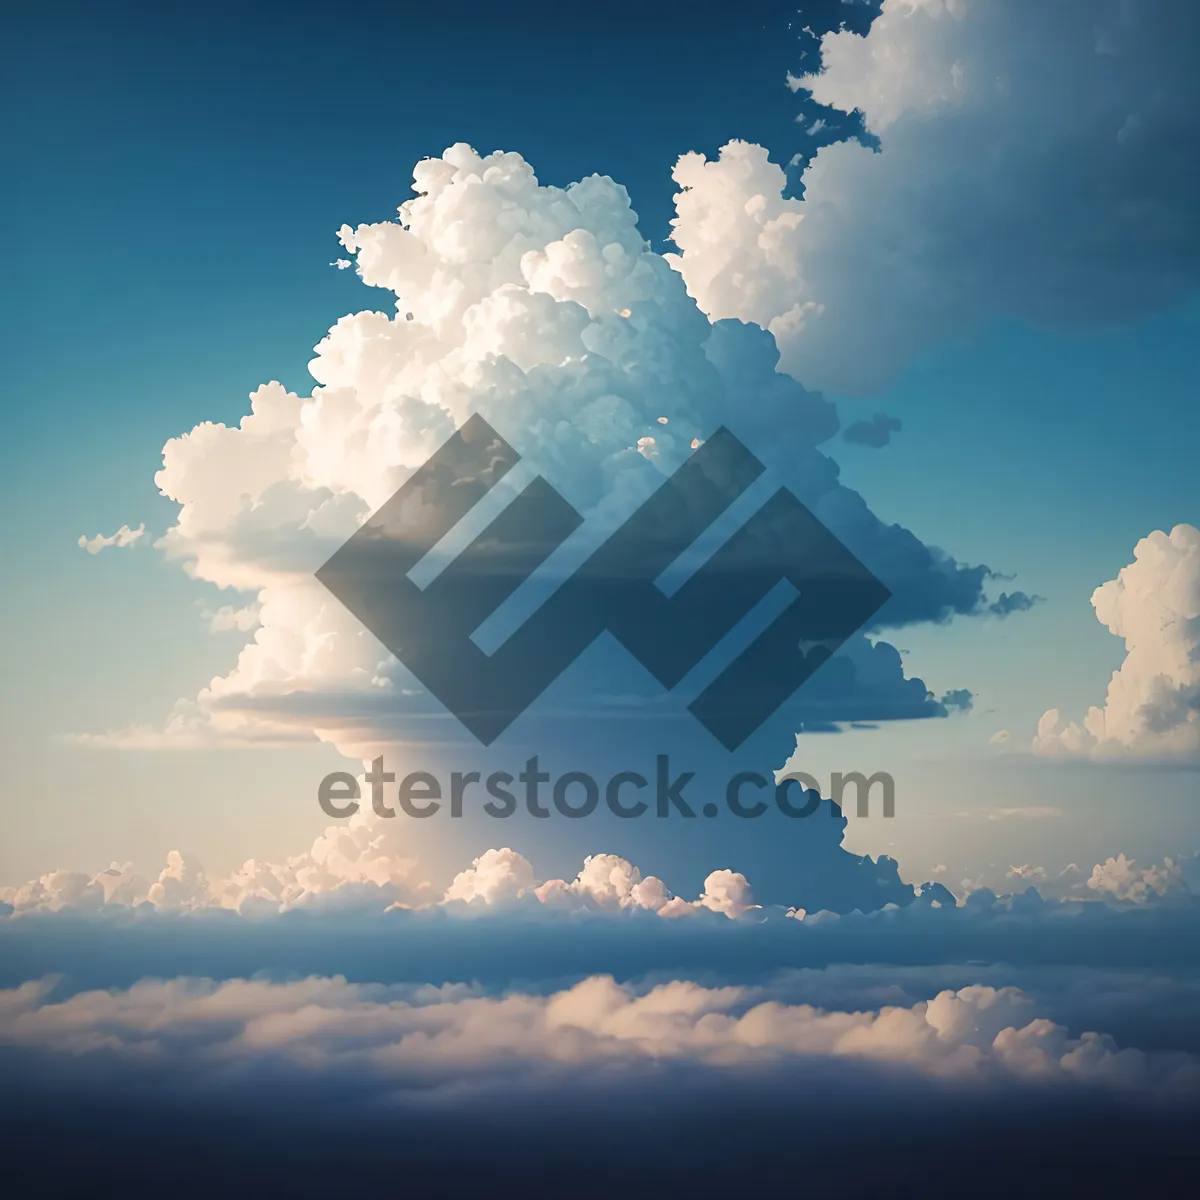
(365, 865)
(446, 1037)
(362, 865)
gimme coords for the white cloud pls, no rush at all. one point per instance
(227, 618)
(544, 310)
(495, 877)
(181, 884)
(1152, 709)
(1120, 879)
(1032, 162)
(122, 539)
(1117, 882)
(364, 863)
(360, 862)
(727, 892)
(1023, 812)
(1027, 873)
(607, 883)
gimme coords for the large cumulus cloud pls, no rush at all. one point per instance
(1025, 160)
(544, 310)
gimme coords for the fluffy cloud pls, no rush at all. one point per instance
(362, 862)
(1119, 879)
(494, 877)
(607, 883)
(544, 310)
(1028, 160)
(1152, 709)
(1028, 873)
(122, 539)
(227, 619)
(362, 865)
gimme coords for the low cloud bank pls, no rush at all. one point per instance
(442, 1039)
(362, 865)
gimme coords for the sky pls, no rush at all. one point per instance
(154, 143)
(934, 260)
(182, 174)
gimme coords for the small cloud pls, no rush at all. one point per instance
(1118, 878)
(1000, 738)
(1026, 812)
(959, 700)
(228, 618)
(877, 432)
(1012, 603)
(342, 264)
(1027, 872)
(123, 538)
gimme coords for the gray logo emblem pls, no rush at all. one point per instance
(429, 629)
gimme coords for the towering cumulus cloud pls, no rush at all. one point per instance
(1153, 704)
(544, 310)
(1031, 160)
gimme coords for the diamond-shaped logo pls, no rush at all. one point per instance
(429, 629)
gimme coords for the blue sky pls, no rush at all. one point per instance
(181, 177)
(970, 221)
(151, 145)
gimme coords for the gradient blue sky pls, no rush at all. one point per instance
(180, 172)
